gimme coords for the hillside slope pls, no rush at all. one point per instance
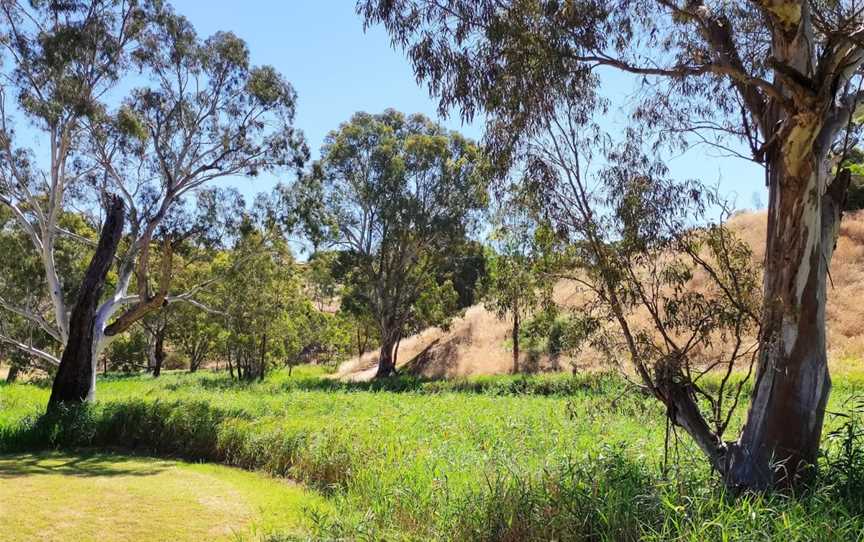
(478, 342)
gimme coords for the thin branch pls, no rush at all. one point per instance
(30, 350)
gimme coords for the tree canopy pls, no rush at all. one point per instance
(393, 192)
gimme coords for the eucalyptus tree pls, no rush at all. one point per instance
(781, 76)
(394, 192)
(60, 60)
(260, 299)
(514, 282)
(202, 112)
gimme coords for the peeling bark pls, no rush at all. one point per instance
(76, 375)
(780, 440)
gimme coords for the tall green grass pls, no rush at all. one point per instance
(499, 458)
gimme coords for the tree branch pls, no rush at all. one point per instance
(33, 317)
(33, 351)
(145, 303)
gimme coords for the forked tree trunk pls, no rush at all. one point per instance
(75, 376)
(362, 341)
(197, 358)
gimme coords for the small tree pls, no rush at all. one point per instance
(514, 280)
(637, 243)
(195, 333)
(393, 192)
(355, 307)
(260, 298)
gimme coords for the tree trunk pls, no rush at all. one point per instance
(516, 341)
(396, 352)
(12, 375)
(194, 363)
(386, 362)
(780, 440)
(263, 358)
(76, 374)
(158, 353)
(361, 343)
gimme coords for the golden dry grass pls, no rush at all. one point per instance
(477, 343)
(845, 310)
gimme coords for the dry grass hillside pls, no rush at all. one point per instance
(478, 342)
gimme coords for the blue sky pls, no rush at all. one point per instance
(337, 69)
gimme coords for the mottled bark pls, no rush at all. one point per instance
(780, 440)
(74, 380)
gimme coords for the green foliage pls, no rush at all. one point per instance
(127, 353)
(466, 268)
(265, 317)
(517, 281)
(130, 101)
(259, 294)
(854, 163)
(845, 457)
(392, 192)
(560, 334)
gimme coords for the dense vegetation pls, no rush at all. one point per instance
(494, 458)
(122, 254)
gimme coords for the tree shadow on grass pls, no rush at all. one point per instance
(79, 465)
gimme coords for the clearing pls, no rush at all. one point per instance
(107, 497)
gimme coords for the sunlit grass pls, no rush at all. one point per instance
(494, 458)
(105, 497)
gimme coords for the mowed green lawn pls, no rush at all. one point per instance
(107, 497)
(500, 458)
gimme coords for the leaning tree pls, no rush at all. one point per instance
(783, 76)
(202, 112)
